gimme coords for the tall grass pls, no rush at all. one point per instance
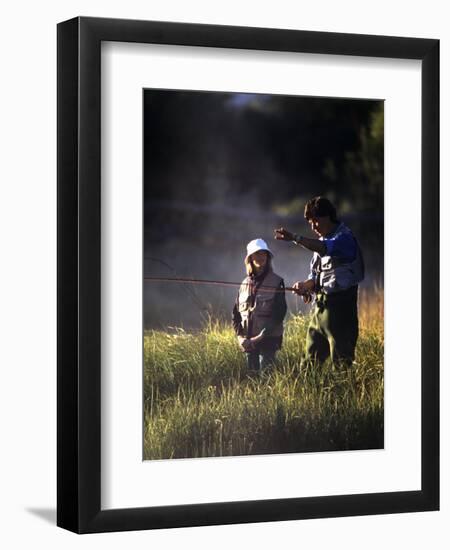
(199, 400)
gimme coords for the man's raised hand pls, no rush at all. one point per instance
(283, 234)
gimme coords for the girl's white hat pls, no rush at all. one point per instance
(256, 245)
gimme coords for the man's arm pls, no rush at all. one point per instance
(311, 244)
(304, 288)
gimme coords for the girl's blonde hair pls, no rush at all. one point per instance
(249, 267)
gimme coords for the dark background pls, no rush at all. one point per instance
(221, 169)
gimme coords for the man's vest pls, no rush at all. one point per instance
(334, 275)
(259, 315)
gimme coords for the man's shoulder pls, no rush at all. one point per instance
(343, 229)
(344, 234)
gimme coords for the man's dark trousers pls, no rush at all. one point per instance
(333, 330)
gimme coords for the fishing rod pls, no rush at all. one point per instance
(262, 288)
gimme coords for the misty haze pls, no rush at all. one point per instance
(221, 169)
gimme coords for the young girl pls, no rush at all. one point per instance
(260, 308)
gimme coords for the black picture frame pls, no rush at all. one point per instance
(79, 275)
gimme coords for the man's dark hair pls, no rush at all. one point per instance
(319, 207)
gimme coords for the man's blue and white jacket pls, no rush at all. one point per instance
(342, 266)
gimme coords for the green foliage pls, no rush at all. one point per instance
(199, 401)
(364, 167)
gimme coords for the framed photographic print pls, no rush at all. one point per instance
(248, 309)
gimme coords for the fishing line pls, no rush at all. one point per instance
(189, 289)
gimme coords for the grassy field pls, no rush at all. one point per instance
(199, 401)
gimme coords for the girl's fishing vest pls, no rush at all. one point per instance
(259, 315)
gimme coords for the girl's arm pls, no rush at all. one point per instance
(236, 320)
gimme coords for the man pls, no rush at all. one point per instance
(336, 269)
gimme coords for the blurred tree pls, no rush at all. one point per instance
(209, 150)
(364, 167)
